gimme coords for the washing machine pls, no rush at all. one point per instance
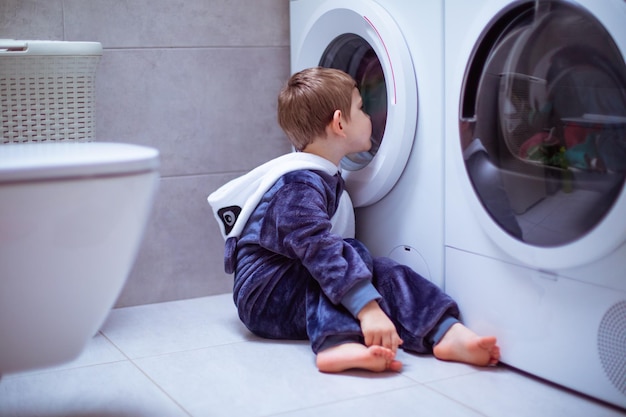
(394, 50)
(535, 205)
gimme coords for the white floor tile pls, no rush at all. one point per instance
(426, 368)
(258, 379)
(97, 351)
(413, 401)
(116, 389)
(504, 392)
(155, 329)
(194, 357)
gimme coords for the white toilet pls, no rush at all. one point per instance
(72, 216)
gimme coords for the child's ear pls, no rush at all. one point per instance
(336, 125)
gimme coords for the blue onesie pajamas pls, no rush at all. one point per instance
(297, 277)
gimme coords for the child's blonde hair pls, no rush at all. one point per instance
(307, 103)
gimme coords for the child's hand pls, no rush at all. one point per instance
(377, 328)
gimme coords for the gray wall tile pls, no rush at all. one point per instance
(31, 19)
(200, 107)
(159, 23)
(182, 253)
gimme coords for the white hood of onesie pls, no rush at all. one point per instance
(234, 202)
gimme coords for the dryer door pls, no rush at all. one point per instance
(543, 128)
(360, 38)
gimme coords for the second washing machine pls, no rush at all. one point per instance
(535, 226)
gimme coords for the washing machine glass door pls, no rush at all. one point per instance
(543, 128)
(360, 38)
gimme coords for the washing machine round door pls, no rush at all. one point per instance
(543, 132)
(363, 40)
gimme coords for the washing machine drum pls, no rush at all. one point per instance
(354, 55)
(546, 119)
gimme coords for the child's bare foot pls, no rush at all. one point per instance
(460, 344)
(355, 355)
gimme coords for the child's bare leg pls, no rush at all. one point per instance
(460, 344)
(355, 355)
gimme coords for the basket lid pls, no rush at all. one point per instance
(12, 47)
(44, 161)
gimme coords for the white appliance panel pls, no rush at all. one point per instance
(557, 306)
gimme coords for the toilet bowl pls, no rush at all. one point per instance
(72, 216)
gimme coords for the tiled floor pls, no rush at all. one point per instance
(194, 358)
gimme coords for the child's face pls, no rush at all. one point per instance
(359, 128)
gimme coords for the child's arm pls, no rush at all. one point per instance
(297, 225)
(377, 328)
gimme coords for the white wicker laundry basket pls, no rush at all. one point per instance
(47, 90)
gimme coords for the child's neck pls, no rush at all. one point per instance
(324, 147)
